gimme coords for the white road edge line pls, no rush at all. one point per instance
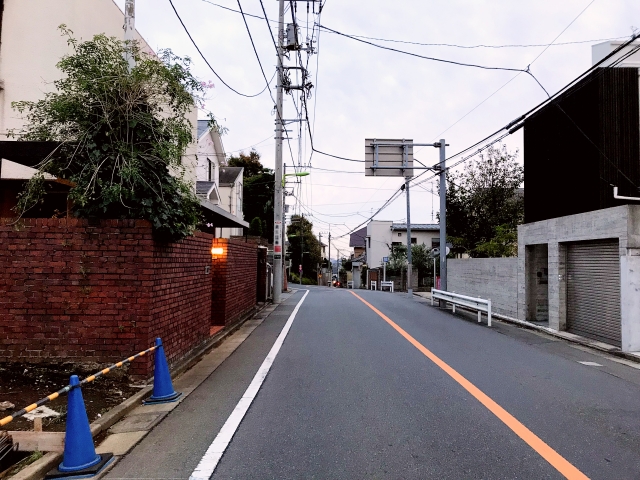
(214, 453)
(591, 364)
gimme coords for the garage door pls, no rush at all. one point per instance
(593, 290)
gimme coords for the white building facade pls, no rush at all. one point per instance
(382, 235)
(31, 44)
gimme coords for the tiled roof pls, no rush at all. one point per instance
(416, 226)
(203, 188)
(357, 238)
(229, 174)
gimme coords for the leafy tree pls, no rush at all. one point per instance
(422, 261)
(255, 227)
(301, 229)
(503, 244)
(121, 134)
(251, 163)
(258, 190)
(483, 205)
(397, 259)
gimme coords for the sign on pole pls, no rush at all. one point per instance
(388, 157)
(385, 259)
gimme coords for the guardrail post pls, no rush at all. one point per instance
(479, 316)
(432, 296)
(489, 313)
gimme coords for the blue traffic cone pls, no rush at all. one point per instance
(163, 391)
(80, 459)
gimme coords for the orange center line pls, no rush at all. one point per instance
(545, 451)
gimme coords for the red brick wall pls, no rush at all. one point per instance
(235, 274)
(71, 291)
(181, 295)
(261, 293)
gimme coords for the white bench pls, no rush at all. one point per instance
(350, 284)
(479, 304)
(386, 284)
(374, 285)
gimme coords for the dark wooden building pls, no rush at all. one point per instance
(582, 144)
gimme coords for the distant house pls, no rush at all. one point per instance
(383, 235)
(218, 186)
(210, 156)
(30, 47)
(231, 184)
(357, 240)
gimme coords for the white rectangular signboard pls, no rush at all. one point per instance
(388, 157)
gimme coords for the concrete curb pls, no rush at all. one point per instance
(570, 337)
(38, 469)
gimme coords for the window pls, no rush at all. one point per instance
(393, 244)
(435, 242)
(399, 234)
(414, 241)
(210, 166)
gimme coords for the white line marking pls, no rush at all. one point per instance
(590, 364)
(214, 453)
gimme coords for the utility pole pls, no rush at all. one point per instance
(285, 278)
(277, 213)
(301, 250)
(129, 30)
(443, 217)
(406, 190)
(319, 268)
(330, 264)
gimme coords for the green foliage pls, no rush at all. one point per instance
(300, 232)
(363, 275)
(483, 205)
(503, 244)
(255, 227)
(258, 190)
(305, 280)
(347, 264)
(397, 259)
(121, 134)
(422, 261)
(251, 163)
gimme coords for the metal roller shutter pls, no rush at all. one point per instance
(593, 290)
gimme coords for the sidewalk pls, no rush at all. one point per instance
(127, 424)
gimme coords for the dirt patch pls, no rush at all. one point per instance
(23, 385)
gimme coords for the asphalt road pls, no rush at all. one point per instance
(349, 396)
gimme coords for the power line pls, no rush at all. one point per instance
(518, 74)
(207, 61)
(434, 59)
(262, 70)
(453, 45)
(333, 171)
(564, 30)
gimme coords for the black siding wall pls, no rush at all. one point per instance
(578, 146)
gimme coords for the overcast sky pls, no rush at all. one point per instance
(362, 91)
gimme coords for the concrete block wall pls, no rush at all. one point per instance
(488, 278)
(596, 225)
(622, 223)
